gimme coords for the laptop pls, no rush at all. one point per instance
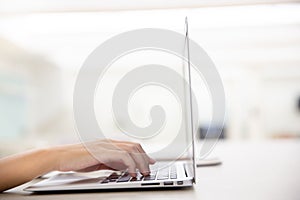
(164, 174)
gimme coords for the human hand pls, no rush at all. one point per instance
(104, 154)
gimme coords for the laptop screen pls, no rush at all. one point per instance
(191, 108)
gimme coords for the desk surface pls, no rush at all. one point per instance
(250, 170)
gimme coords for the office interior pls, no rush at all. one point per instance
(255, 46)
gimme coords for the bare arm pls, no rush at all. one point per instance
(107, 154)
(20, 168)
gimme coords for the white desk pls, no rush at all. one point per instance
(250, 170)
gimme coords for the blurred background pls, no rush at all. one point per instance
(254, 44)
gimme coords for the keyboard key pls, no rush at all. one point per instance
(105, 181)
(173, 176)
(173, 173)
(162, 177)
(163, 174)
(134, 179)
(173, 169)
(113, 177)
(149, 178)
(153, 172)
(164, 171)
(125, 178)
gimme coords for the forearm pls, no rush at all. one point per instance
(21, 168)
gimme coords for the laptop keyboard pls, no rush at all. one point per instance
(161, 174)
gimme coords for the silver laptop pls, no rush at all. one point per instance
(164, 174)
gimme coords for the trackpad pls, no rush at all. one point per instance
(73, 178)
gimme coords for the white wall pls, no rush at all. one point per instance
(255, 48)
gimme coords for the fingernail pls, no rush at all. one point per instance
(145, 173)
(133, 175)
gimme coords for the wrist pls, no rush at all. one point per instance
(59, 155)
(50, 157)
